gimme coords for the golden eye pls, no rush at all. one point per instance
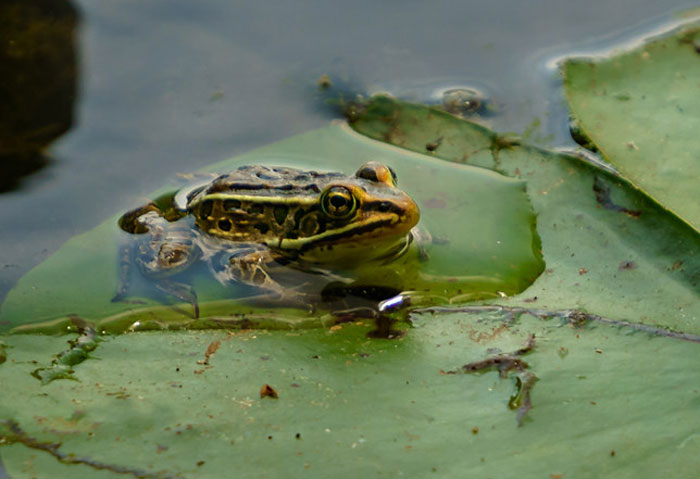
(338, 202)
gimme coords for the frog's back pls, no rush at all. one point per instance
(262, 204)
(266, 181)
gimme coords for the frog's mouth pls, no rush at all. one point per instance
(373, 238)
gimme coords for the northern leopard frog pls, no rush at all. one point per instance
(245, 224)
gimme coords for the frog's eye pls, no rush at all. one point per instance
(338, 202)
(374, 171)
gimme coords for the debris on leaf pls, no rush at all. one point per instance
(268, 391)
(79, 350)
(602, 196)
(626, 265)
(504, 363)
(211, 349)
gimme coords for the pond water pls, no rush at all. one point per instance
(168, 87)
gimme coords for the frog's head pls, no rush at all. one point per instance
(355, 219)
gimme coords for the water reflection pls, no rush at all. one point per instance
(39, 83)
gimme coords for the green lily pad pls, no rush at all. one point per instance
(605, 403)
(610, 250)
(478, 218)
(640, 110)
(581, 375)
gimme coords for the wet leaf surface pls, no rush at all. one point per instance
(639, 109)
(590, 222)
(360, 406)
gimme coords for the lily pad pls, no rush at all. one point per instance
(475, 217)
(605, 335)
(640, 110)
(610, 250)
(161, 405)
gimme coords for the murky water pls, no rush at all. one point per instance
(166, 87)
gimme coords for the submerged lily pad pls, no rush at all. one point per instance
(640, 110)
(475, 217)
(610, 250)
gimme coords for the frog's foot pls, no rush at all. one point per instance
(251, 266)
(129, 221)
(423, 239)
(182, 291)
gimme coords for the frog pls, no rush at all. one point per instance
(249, 223)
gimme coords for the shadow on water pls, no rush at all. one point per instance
(38, 88)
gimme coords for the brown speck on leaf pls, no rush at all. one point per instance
(676, 265)
(200, 463)
(612, 453)
(475, 430)
(625, 265)
(434, 145)
(599, 351)
(435, 203)
(582, 271)
(556, 476)
(211, 349)
(268, 391)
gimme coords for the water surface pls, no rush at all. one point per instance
(170, 86)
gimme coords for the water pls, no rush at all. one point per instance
(170, 86)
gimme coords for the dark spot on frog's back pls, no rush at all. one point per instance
(265, 176)
(256, 209)
(262, 227)
(313, 187)
(280, 212)
(205, 209)
(225, 224)
(230, 205)
(218, 187)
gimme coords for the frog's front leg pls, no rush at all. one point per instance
(423, 239)
(251, 265)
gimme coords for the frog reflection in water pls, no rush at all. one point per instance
(249, 222)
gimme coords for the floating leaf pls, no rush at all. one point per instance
(617, 403)
(609, 249)
(640, 110)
